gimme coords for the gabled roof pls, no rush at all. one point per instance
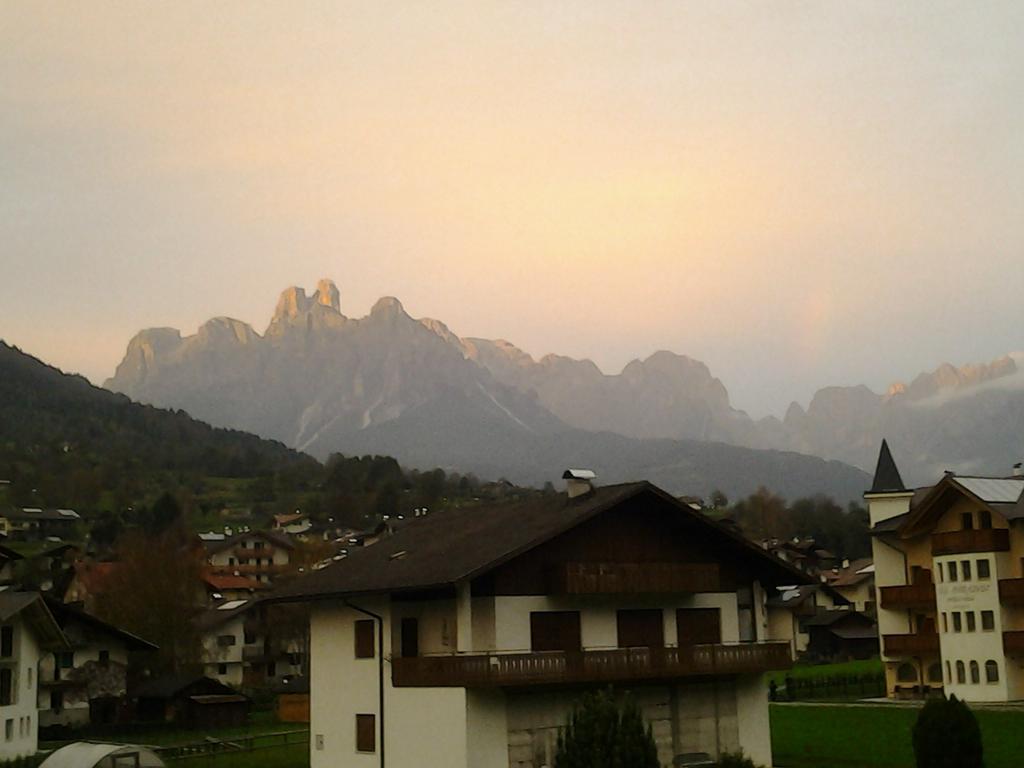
(31, 606)
(66, 614)
(857, 572)
(458, 544)
(887, 477)
(1000, 495)
(272, 537)
(169, 686)
(220, 582)
(220, 614)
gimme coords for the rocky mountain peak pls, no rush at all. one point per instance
(293, 302)
(388, 307)
(327, 294)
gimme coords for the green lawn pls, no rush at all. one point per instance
(866, 736)
(291, 756)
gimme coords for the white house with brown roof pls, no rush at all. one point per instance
(28, 631)
(464, 638)
(243, 645)
(260, 555)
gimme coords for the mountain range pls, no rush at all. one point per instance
(387, 383)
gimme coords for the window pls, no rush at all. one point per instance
(984, 519)
(949, 673)
(952, 570)
(410, 637)
(935, 673)
(975, 674)
(9, 728)
(555, 631)
(939, 571)
(961, 673)
(6, 687)
(366, 733)
(222, 669)
(906, 673)
(965, 570)
(956, 621)
(6, 642)
(225, 641)
(364, 639)
(66, 659)
(250, 637)
(983, 570)
(970, 621)
(258, 545)
(966, 521)
(988, 621)
(57, 701)
(945, 622)
(991, 671)
(698, 626)
(642, 628)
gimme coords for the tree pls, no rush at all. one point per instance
(152, 591)
(604, 733)
(165, 512)
(718, 499)
(946, 735)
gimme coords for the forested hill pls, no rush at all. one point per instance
(57, 428)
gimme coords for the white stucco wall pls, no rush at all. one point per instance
(752, 718)
(21, 715)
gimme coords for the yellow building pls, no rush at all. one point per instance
(948, 568)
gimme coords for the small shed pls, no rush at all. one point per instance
(191, 701)
(83, 754)
(842, 635)
(292, 700)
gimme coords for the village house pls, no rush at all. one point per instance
(261, 555)
(464, 638)
(36, 524)
(28, 631)
(856, 582)
(246, 645)
(87, 682)
(792, 606)
(293, 524)
(221, 588)
(949, 569)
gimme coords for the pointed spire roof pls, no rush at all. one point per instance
(887, 476)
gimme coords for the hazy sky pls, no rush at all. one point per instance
(798, 194)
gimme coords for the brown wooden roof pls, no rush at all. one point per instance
(457, 544)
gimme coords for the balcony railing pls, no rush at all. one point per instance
(1013, 643)
(908, 645)
(634, 578)
(908, 596)
(1011, 591)
(621, 664)
(971, 540)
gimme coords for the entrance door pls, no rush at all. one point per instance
(555, 631)
(642, 628)
(697, 626)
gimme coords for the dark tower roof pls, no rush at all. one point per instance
(887, 477)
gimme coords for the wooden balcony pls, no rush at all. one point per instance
(634, 578)
(1013, 643)
(606, 666)
(908, 596)
(911, 645)
(971, 540)
(1011, 591)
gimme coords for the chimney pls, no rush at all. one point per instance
(1018, 469)
(578, 482)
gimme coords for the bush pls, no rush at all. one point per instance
(735, 760)
(601, 733)
(946, 735)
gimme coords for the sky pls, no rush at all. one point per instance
(798, 194)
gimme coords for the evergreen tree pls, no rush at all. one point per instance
(602, 733)
(946, 735)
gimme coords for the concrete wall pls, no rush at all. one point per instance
(752, 718)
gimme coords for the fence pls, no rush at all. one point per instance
(830, 687)
(211, 746)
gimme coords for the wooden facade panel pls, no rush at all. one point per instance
(644, 531)
(366, 733)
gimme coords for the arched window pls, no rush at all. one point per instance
(991, 671)
(906, 673)
(935, 673)
(949, 673)
(975, 672)
(961, 673)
